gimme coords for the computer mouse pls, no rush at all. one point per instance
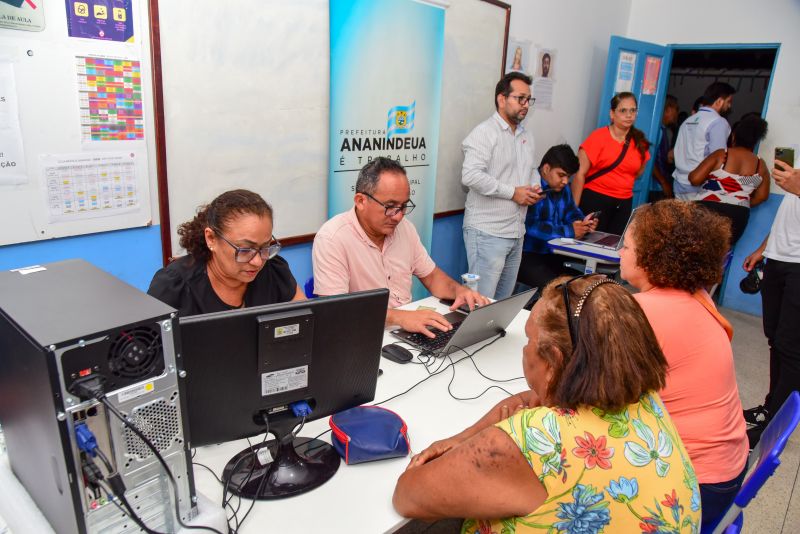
(396, 353)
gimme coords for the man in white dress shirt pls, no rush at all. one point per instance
(498, 170)
(700, 135)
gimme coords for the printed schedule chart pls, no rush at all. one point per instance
(110, 99)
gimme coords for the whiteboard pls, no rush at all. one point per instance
(52, 199)
(474, 42)
(246, 102)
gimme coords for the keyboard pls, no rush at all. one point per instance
(608, 241)
(434, 344)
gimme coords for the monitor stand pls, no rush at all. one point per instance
(299, 465)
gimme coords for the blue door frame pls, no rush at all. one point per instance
(650, 105)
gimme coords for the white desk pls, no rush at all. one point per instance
(358, 497)
(590, 254)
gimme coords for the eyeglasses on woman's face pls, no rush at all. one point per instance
(627, 111)
(246, 254)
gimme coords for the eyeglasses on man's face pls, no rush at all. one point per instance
(524, 100)
(246, 254)
(390, 210)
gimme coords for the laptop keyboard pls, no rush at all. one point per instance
(609, 241)
(433, 344)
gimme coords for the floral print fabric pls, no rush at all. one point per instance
(604, 472)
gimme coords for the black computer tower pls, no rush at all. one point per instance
(65, 321)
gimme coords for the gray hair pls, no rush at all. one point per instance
(370, 173)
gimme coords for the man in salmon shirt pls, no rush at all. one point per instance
(374, 246)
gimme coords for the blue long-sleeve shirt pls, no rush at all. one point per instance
(550, 218)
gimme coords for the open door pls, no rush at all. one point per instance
(643, 69)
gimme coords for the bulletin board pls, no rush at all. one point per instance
(246, 102)
(76, 118)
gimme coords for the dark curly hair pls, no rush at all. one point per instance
(749, 131)
(616, 359)
(680, 245)
(217, 214)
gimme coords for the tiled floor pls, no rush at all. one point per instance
(776, 509)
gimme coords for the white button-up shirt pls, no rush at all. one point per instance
(497, 160)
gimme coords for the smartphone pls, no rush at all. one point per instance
(594, 215)
(785, 154)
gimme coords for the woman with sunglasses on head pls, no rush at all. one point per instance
(231, 259)
(589, 448)
(673, 250)
(611, 159)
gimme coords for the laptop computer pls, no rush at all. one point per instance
(468, 329)
(604, 239)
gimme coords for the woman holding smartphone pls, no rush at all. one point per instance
(611, 159)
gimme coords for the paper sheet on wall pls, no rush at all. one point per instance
(101, 21)
(652, 68)
(626, 70)
(84, 186)
(12, 156)
(544, 80)
(25, 15)
(542, 91)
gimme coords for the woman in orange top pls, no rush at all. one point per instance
(672, 250)
(611, 159)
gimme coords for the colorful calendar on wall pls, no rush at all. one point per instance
(110, 92)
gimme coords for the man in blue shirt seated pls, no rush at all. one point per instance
(555, 216)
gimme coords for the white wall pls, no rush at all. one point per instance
(735, 21)
(579, 31)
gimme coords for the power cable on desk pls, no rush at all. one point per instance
(226, 501)
(229, 506)
(443, 367)
(209, 470)
(264, 476)
(481, 394)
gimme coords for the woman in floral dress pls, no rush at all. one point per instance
(590, 448)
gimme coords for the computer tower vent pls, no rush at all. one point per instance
(135, 352)
(159, 422)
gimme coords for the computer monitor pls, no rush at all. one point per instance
(245, 369)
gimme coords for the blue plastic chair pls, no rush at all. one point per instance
(765, 459)
(308, 288)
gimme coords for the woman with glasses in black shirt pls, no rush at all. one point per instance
(232, 259)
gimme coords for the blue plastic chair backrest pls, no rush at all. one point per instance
(765, 457)
(769, 448)
(308, 288)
